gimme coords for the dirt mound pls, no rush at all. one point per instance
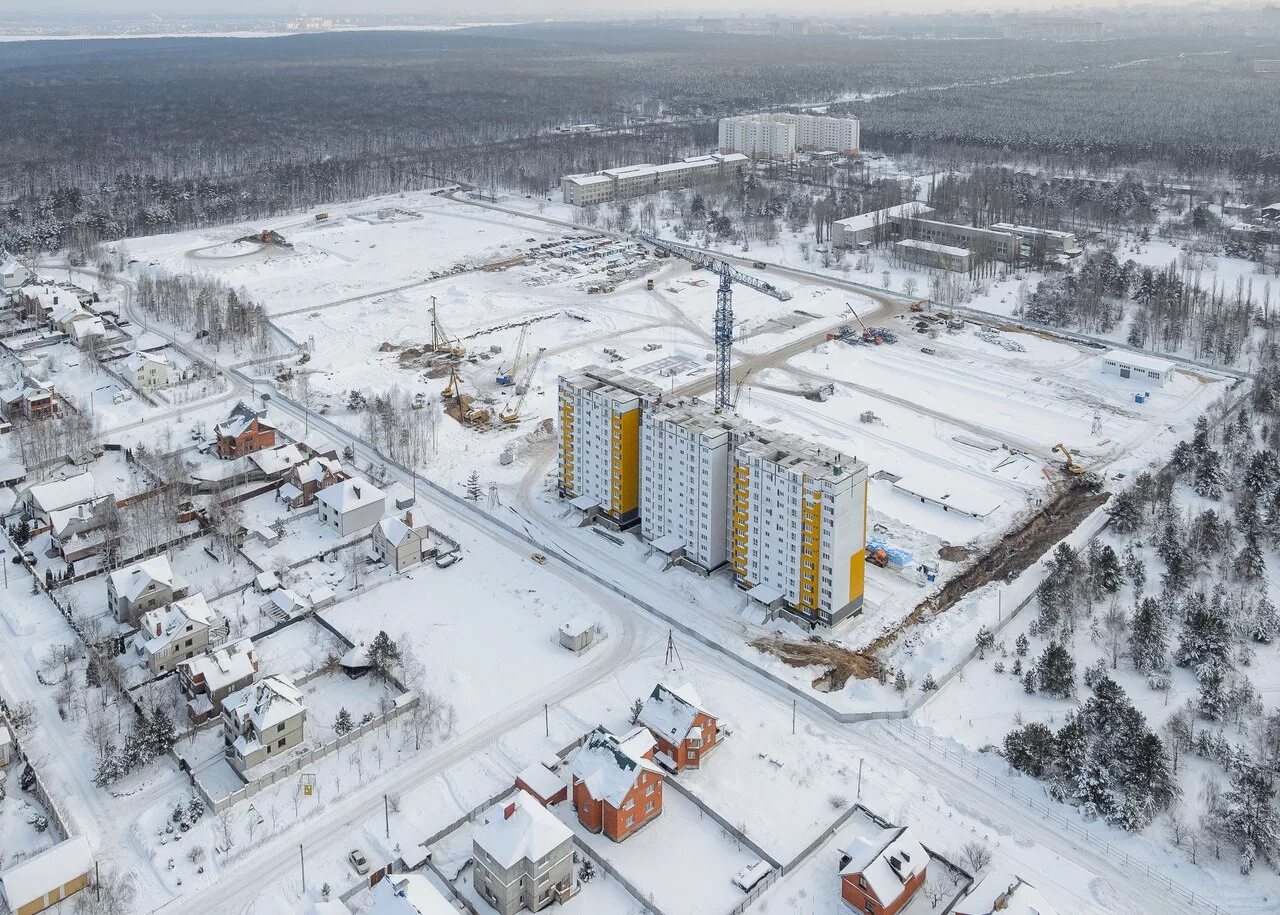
(839, 663)
(952, 553)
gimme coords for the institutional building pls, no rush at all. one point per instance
(1047, 242)
(779, 136)
(940, 257)
(630, 181)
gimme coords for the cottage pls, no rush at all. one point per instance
(351, 506)
(399, 544)
(40, 300)
(279, 462)
(86, 330)
(208, 679)
(523, 857)
(143, 586)
(616, 787)
(68, 524)
(407, 894)
(13, 275)
(309, 477)
(41, 500)
(880, 875)
(1003, 894)
(543, 785)
(262, 720)
(243, 432)
(6, 743)
(45, 879)
(176, 632)
(28, 399)
(685, 731)
(146, 371)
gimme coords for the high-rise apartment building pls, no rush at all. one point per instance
(779, 136)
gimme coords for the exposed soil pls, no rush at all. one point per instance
(839, 663)
(952, 553)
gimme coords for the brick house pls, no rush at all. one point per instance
(879, 875)
(685, 731)
(617, 788)
(523, 857)
(208, 679)
(143, 586)
(310, 477)
(542, 784)
(244, 432)
(1003, 894)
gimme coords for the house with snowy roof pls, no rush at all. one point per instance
(45, 879)
(146, 371)
(278, 462)
(209, 678)
(244, 431)
(685, 731)
(617, 788)
(351, 506)
(399, 544)
(40, 300)
(406, 894)
(173, 633)
(1003, 894)
(880, 874)
(42, 500)
(143, 586)
(262, 720)
(542, 784)
(29, 399)
(523, 857)
(13, 275)
(309, 477)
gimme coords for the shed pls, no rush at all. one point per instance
(1148, 370)
(49, 877)
(546, 787)
(355, 663)
(266, 582)
(321, 597)
(577, 634)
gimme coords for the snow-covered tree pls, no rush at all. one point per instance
(1056, 671)
(1249, 816)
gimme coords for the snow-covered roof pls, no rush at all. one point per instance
(160, 626)
(541, 780)
(224, 665)
(576, 626)
(58, 494)
(933, 247)
(131, 581)
(520, 829)
(61, 519)
(670, 713)
(11, 470)
(609, 766)
(881, 217)
(410, 894)
(240, 419)
(265, 703)
(142, 359)
(395, 531)
(1140, 361)
(35, 877)
(267, 581)
(287, 600)
(350, 495)
(584, 180)
(87, 326)
(1005, 894)
(886, 862)
(314, 470)
(279, 459)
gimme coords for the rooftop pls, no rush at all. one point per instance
(1140, 361)
(519, 830)
(350, 495)
(130, 582)
(224, 665)
(670, 713)
(886, 862)
(33, 878)
(609, 766)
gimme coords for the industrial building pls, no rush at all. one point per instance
(1042, 242)
(637, 180)
(600, 442)
(1149, 370)
(940, 257)
(715, 489)
(874, 227)
(779, 136)
(987, 244)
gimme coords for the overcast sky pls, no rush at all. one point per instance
(452, 8)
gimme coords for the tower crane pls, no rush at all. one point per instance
(508, 377)
(511, 413)
(724, 305)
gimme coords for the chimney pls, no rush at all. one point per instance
(509, 811)
(408, 519)
(157, 629)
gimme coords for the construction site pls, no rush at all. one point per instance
(983, 443)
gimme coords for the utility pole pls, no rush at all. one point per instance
(859, 778)
(386, 814)
(303, 859)
(546, 716)
(793, 717)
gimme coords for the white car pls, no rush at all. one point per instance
(359, 861)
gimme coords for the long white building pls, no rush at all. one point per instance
(637, 180)
(779, 136)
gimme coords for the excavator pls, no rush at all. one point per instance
(1071, 466)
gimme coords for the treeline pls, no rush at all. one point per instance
(206, 306)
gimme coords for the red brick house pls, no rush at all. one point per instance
(308, 478)
(616, 787)
(543, 785)
(685, 731)
(244, 432)
(879, 875)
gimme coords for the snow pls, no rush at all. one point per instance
(886, 862)
(46, 872)
(519, 829)
(60, 494)
(350, 495)
(671, 712)
(608, 766)
(1003, 893)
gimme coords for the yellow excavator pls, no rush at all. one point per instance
(1071, 466)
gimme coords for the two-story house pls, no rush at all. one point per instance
(309, 477)
(351, 506)
(175, 632)
(29, 399)
(262, 720)
(143, 586)
(401, 545)
(146, 371)
(42, 500)
(616, 787)
(523, 857)
(879, 875)
(685, 731)
(209, 678)
(243, 432)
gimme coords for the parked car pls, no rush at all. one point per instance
(539, 558)
(358, 861)
(747, 878)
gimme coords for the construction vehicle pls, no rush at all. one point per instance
(510, 414)
(453, 390)
(442, 341)
(918, 305)
(507, 378)
(724, 305)
(878, 558)
(1071, 466)
(648, 285)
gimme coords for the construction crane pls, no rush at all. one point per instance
(1071, 466)
(511, 413)
(507, 378)
(724, 305)
(441, 340)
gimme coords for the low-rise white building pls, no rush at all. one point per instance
(13, 275)
(1151, 371)
(146, 371)
(351, 506)
(262, 720)
(874, 227)
(143, 586)
(45, 879)
(629, 181)
(930, 254)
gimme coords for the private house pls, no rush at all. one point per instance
(309, 477)
(45, 879)
(616, 787)
(351, 506)
(279, 462)
(243, 432)
(880, 875)
(1003, 894)
(143, 586)
(42, 500)
(86, 330)
(262, 720)
(685, 731)
(78, 532)
(173, 633)
(542, 785)
(209, 678)
(13, 275)
(6, 743)
(40, 300)
(29, 399)
(146, 371)
(399, 544)
(523, 857)
(403, 894)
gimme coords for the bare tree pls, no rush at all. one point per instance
(976, 855)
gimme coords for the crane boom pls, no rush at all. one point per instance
(709, 261)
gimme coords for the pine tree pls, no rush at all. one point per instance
(1249, 815)
(985, 640)
(1136, 571)
(27, 780)
(1209, 476)
(1266, 621)
(1056, 671)
(160, 732)
(1148, 639)
(1200, 440)
(1211, 702)
(1030, 749)
(1021, 644)
(1204, 636)
(900, 681)
(1108, 570)
(1183, 460)
(342, 724)
(474, 490)
(1124, 512)
(1249, 564)
(384, 654)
